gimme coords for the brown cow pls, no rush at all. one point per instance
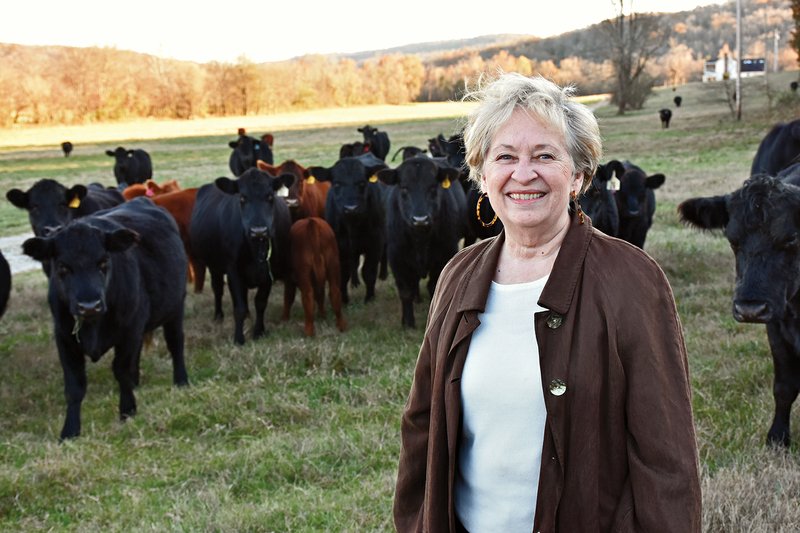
(306, 196)
(180, 205)
(314, 259)
(150, 189)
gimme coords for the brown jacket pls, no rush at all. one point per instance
(619, 446)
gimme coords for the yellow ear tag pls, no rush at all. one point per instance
(373, 179)
(446, 183)
(75, 203)
(311, 180)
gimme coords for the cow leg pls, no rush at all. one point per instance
(173, 335)
(218, 286)
(73, 365)
(307, 295)
(289, 290)
(334, 291)
(199, 270)
(344, 271)
(239, 298)
(262, 296)
(369, 271)
(785, 386)
(384, 270)
(124, 353)
(318, 285)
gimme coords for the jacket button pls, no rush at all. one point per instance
(558, 387)
(554, 320)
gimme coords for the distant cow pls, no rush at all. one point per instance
(598, 201)
(425, 215)
(665, 115)
(150, 189)
(761, 223)
(678, 100)
(793, 86)
(306, 197)
(436, 146)
(378, 141)
(180, 205)
(636, 203)
(353, 149)
(247, 150)
(409, 152)
(240, 231)
(131, 166)
(66, 147)
(778, 149)
(355, 210)
(5, 283)
(118, 275)
(314, 262)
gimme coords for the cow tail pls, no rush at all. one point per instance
(318, 267)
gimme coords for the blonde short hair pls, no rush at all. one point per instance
(548, 103)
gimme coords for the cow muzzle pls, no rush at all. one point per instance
(90, 309)
(758, 312)
(259, 233)
(423, 222)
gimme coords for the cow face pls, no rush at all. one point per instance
(632, 198)
(598, 201)
(420, 185)
(50, 205)
(124, 165)
(762, 223)
(247, 150)
(257, 194)
(82, 258)
(297, 188)
(350, 182)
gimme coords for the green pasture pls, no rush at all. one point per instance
(297, 434)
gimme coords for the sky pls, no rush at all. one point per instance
(265, 30)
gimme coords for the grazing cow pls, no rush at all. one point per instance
(180, 205)
(678, 101)
(355, 210)
(778, 149)
(314, 261)
(636, 203)
(306, 197)
(665, 115)
(378, 141)
(793, 86)
(598, 201)
(425, 213)
(66, 147)
(118, 275)
(761, 223)
(131, 166)
(5, 283)
(150, 189)
(247, 150)
(409, 152)
(240, 231)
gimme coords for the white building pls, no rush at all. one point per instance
(725, 68)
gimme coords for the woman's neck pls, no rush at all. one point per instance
(528, 259)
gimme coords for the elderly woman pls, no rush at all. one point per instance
(551, 392)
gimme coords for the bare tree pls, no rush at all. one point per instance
(633, 39)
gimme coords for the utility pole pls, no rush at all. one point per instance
(738, 59)
(775, 52)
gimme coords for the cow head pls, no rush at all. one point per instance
(50, 205)
(124, 165)
(296, 190)
(350, 180)
(436, 146)
(762, 223)
(598, 200)
(632, 196)
(247, 150)
(258, 199)
(82, 259)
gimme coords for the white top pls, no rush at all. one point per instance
(503, 415)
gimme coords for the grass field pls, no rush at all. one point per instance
(296, 434)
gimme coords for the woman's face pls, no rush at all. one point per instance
(528, 175)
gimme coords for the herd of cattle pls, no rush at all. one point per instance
(118, 259)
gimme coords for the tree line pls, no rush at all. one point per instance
(64, 85)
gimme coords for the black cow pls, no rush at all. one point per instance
(678, 101)
(353, 149)
(793, 86)
(636, 203)
(599, 203)
(66, 147)
(117, 275)
(424, 222)
(409, 152)
(665, 115)
(436, 146)
(355, 210)
(762, 225)
(131, 166)
(5, 283)
(240, 231)
(247, 150)
(778, 149)
(378, 141)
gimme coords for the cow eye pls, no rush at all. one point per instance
(103, 265)
(63, 270)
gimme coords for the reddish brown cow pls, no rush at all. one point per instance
(314, 259)
(180, 205)
(150, 189)
(306, 196)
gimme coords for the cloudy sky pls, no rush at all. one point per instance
(272, 31)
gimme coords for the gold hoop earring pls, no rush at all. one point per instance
(478, 212)
(573, 196)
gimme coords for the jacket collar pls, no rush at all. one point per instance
(560, 288)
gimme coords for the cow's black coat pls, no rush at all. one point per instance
(665, 115)
(240, 231)
(378, 141)
(678, 100)
(598, 201)
(66, 147)
(131, 166)
(5, 283)
(762, 223)
(117, 274)
(636, 203)
(778, 149)
(247, 150)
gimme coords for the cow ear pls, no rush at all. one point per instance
(796, 130)
(263, 166)
(374, 169)
(38, 248)
(18, 198)
(617, 167)
(77, 191)
(121, 239)
(284, 180)
(705, 213)
(319, 173)
(268, 139)
(388, 176)
(227, 185)
(655, 181)
(110, 153)
(233, 144)
(448, 175)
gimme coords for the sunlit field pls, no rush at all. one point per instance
(302, 434)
